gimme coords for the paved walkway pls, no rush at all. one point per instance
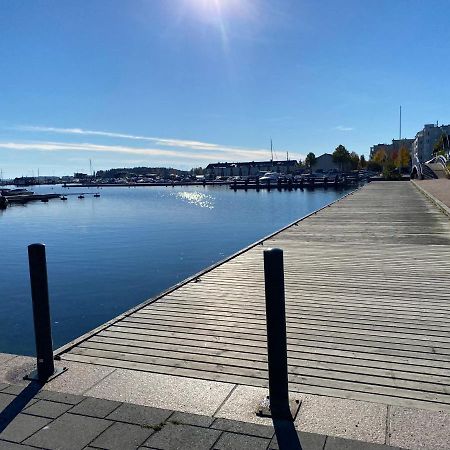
(438, 191)
(33, 418)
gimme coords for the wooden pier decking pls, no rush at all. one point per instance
(367, 302)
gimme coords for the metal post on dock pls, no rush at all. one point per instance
(277, 404)
(41, 315)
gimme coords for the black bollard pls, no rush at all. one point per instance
(41, 314)
(277, 405)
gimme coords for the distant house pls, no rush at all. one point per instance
(244, 169)
(325, 163)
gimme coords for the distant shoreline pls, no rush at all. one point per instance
(175, 183)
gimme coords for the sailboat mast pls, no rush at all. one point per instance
(271, 150)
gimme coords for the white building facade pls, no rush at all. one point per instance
(423, 144)
(244, 169)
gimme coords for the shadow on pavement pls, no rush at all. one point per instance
(18, 404)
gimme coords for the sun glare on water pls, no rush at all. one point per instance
(197, 199)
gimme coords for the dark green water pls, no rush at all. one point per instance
(107, 254)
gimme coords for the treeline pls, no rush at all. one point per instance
(162, 172)
(390, 163)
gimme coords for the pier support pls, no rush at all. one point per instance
(41, 315)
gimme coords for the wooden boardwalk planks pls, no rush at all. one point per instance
(367, 308)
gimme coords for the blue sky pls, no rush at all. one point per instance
(183, 83)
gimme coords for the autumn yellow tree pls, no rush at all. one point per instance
(403, 158)
(380, 156)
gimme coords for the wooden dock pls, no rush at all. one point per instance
(368, 308)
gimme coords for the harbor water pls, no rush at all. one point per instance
(107, 254)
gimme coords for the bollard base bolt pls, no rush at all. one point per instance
(34, 376)
(263, 409)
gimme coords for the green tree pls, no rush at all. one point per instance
(341, 156)
(197, 171)
(441, 147)
(354, 160)
(374, 166)
(310, 159)
(362, 162)
(389, 170)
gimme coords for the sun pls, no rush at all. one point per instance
(223, 16)
(213, 7)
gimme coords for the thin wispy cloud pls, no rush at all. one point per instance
(343, 128)
(147, 149)
(166, 142)
(212, 155)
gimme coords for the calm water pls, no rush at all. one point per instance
(107, 254)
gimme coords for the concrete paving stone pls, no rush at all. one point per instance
(351, 419)
(162, 391)
(4, 445)
(95, 407)
(232, 441)
(307, 441)
(419, 429)
(78, 378)
(14, 389)
(242, 403)
(191, 419)
(334, 443)
(13, 370)
(21, 427)
(140, 415)
(44, 408)
(68, 432)
(3, 386)
(60, 397)
(181, 437)
(7, 400)
(122, 436)
(243, 428)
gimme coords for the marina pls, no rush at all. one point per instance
(367, 318)
(225, 226)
